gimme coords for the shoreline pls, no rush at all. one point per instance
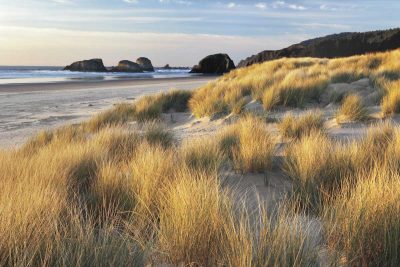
(26, 109)
(95, 84)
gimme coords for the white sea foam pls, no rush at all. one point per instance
(53, 74)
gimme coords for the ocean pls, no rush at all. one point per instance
(32, 74)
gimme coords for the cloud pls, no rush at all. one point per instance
(131, 1)
(177, 48)
(326, 7)
(231, 5)
(323, 26)
(296, 7)
(65, 2)
(183, 2)
(283, 4)
(180, 2)
(261, 5)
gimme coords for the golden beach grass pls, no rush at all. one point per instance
(295, 127)
(292, 82)
(352, 109)
(102, 194)
(114, 197)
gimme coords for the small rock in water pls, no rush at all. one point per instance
(127, 66)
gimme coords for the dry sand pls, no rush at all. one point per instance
(25, 109)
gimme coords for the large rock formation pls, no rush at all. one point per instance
(127, 66)
(145, 64)
(92, 65)
(331, 46)
(214, 64)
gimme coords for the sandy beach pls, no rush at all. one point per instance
(26, 109)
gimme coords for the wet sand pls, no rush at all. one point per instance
(26, 109)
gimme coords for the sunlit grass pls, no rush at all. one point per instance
(391, 102)
(202, 154)
(250, 144)
(147, 108)
(363, 222)
(352, 109)
(296, 127)
(109, 198)
(103, 193)
(292, 82)
(316, 165)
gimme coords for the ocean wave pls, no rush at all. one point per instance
(8, 74)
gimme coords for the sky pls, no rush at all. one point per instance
(177, 32)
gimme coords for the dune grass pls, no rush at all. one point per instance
(117, 197)
(318, 165)
(291, 82)
(363, 222)
(249, 144)
(352, 109)
(43, 209)
(147, 108)
(233, 237)
(202, 155)
(296, 127)
(156, 133)
(103, 194)
(391, 102)
(118, 115)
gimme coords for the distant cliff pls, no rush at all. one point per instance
(335, 45)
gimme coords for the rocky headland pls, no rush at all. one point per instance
(333, 46)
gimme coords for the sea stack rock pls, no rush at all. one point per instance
(127, 66)
(214, 64)
(145, 64)
(91, 65)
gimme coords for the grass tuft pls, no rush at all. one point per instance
(296, 127)
(147, 108)
(250, 144)
(352, 109)
(118, 115)
(391, 102)
(202, 155)
(316, 165)
(363, 222)
(155, 133)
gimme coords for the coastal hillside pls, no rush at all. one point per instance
(293, 162)
(335, 45)
(296, 82)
